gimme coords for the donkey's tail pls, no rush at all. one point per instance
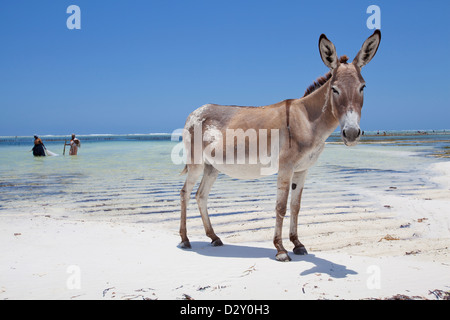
(185, 170)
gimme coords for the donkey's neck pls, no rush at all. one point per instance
(319, 110)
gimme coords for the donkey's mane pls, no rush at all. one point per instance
(322, 80)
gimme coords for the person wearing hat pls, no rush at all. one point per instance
(39, 148)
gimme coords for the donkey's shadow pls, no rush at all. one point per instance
(320, 265)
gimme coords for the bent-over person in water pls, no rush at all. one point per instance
(39, 148)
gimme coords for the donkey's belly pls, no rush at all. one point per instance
(241, 165)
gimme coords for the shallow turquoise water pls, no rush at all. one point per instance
(105, 163)
(136, 176)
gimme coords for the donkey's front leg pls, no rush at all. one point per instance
(284, 179)
(298, 181)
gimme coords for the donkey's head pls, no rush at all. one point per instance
(347, 85)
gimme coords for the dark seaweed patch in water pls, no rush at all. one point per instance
(160, 211)
(231, 213)
(7, 185)
(33, 186)
(362, 170)
(93, 200)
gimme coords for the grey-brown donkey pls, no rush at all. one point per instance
(284, 138)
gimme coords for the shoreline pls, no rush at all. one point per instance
(399, 247)
(167, 135)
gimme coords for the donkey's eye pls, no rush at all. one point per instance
(335, 90)
(362, 88)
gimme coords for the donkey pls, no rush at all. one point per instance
(296, 129)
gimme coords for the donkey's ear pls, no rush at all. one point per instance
(328, 52)
(368, 49)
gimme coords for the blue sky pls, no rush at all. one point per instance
(142, 66)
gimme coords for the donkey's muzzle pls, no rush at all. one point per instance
(350, 135)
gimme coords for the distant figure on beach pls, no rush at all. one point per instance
(74, 145)
(39, 148)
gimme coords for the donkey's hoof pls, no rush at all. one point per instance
(217, 243)
(283, 257)
(300, 250)
(185, 245)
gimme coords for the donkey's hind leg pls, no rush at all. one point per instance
(209, 177)
(193, 172)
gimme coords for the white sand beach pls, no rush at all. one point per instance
(398, 244)
(336, 103)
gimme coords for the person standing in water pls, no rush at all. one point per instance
(39, 148)
(74, 145)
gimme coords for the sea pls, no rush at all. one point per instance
(131, 178)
